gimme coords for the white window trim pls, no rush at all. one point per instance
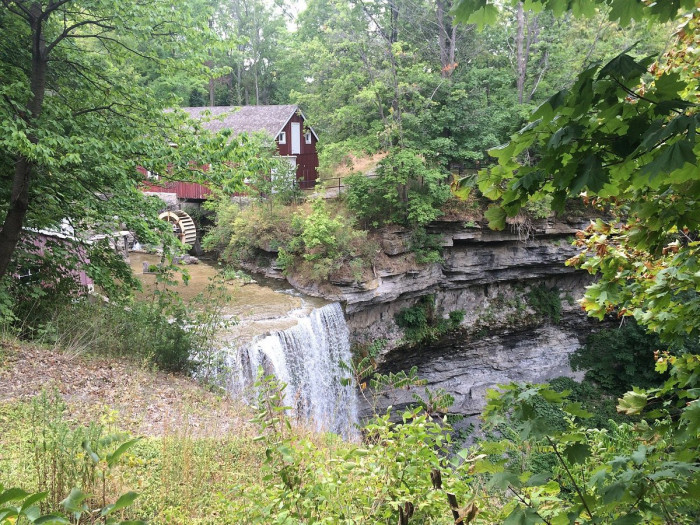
(296, 138)
(307, 137)
(282, 137)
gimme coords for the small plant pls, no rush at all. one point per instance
(421, 322)
(20, 505)
(427, 247)
(65, 457)
(546, 302)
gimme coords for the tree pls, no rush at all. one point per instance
(623, 136)
(78, 117)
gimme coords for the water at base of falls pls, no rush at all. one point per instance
(308, 358)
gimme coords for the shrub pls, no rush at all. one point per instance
(618, 359)
(427, 247)
(422, 323)
(163, 330)
(324, 243)
(546, 302)
(405, 191)
(242, 234)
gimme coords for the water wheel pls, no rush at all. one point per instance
(183, 225)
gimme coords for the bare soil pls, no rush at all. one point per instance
(147, 402)
(358, 164)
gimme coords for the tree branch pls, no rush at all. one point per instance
(66, 32)
(53, 5)
(571, 477)
(526, 503)
(27, 15)
(92, 110)
(21, 114)
(103, 38)
(638, 96)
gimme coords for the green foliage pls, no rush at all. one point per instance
(623, 136)
(636, 473)
(61, 457)
(57, 459)
(618, 359)
(349, 483)
(314, 241)
(163, 331)
(79, 116)
(364, 200)
(244, 234)
(484, 12)
(153, 331)
(422, 323)
(546, 302)
(325, 243)
(427, 247)
(405, 191)
(599, 403)
(19, 505)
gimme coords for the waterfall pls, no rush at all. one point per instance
(307, 357)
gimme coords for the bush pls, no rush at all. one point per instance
(162, 331)
(405, 191)
(546, 302)
(242, 234)
(324, 243)
(427, 247)
(421, 322)
(618, 359)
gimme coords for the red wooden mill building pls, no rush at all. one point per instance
(295, 140)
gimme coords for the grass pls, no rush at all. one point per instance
(196, 460)
(183, 471)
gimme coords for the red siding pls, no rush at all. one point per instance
(191, 190)
(307, 160)
(183, 190)
(307, 168)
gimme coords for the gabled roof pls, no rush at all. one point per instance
(248, 119)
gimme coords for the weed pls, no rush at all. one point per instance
(421, 322)
(546, 302)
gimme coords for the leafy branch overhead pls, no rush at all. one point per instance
(623, 137)
(484, 12)
(614, 135)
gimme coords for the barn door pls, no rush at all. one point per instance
(296, 138)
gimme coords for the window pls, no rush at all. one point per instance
(282, 137)
(307, 137)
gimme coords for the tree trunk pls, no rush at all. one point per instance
(24, 168)
(521, 59)
(447, 36)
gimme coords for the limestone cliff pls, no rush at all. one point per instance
(490, 278)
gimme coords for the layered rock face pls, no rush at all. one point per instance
(503, 286)
(489, 277)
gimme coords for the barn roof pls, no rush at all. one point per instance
(248, 119)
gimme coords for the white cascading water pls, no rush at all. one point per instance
(307, 357)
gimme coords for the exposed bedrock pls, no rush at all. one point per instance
(491, 278)
(504, 336)
(466, 366)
